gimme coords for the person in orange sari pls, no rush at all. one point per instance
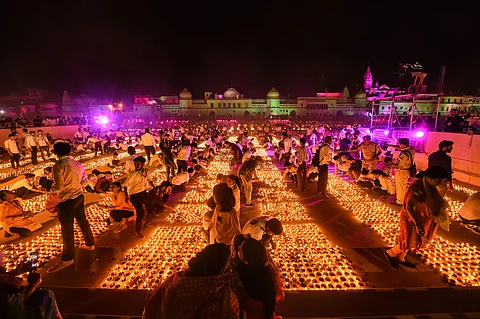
(422, 213)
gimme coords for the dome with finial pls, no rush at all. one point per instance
(231, 93)
(360, 95)
(345, 93)
(273, 93)
(185, 94)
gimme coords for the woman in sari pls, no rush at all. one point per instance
(422, 213)
(200, 291)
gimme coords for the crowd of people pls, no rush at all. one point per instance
(39, 121)
(237, 257)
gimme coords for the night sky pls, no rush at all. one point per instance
(120, 48)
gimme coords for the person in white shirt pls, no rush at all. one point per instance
(78, 136)
(387, 186)
(24, 189)
(129, 165)
(11, 147)
(96, 142)
(183, 156)
(85, 134)
(180, 180)
(323, 157)
(69, 178)
(136, 188)
(43, 144)
(263, 229)
(248, 154)
(32, 146)
(287, 145)
(157, 160)
(148, 141)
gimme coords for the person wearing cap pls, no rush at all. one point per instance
(405, 161)
(370, 152)
(442, 159)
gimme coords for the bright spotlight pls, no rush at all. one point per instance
(420, 134)
(386, 132)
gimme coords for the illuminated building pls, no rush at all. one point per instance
(232, 103)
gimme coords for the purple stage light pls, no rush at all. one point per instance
(386, 132)
(420, 134)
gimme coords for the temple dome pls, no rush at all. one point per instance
(360, 95)
(231, 93)
(273, 93)
(185, 94)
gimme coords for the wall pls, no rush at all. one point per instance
(466, 162)
(56, 131)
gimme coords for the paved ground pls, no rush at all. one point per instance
(391, 292)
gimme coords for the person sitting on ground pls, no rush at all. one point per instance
(157, 161)
(25, 302)
(365, 180)
(256, 282)
(312, 173)
(25, 189)
(113, 161)
(13, 218)
(355, 168)
(104, 180)
(121, 209)
(387, 186)
(180, 181)
(157, 198)
(290, 172)
(341, 162)
(263, 229)
(200, 291)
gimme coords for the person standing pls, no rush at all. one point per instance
(246, 173)
(69, 178)
(403, 168)
(304, 156)
(78, 136)
(287, 143)
(166, 148)
(11, 147)
(43, 144)
(32, 146)
(136, 187)
(442, 159)
(323, 157)
(97, 143)
(370, 151)
(148, 141)
(183, 156)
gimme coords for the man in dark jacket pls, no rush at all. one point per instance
(442, 159)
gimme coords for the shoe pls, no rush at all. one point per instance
(397, 204)
(391, 260)
(140, 234)
(83, 246)
(407, 264)
(60, 265)
(122, 227)
(249, 205)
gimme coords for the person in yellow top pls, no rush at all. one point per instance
(404, 163)
(371, 152)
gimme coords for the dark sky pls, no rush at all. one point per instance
(130, 47)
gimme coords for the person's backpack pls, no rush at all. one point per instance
(413, 167)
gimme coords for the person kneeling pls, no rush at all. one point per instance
(121, 210)
(180, 181)
(13, 218)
